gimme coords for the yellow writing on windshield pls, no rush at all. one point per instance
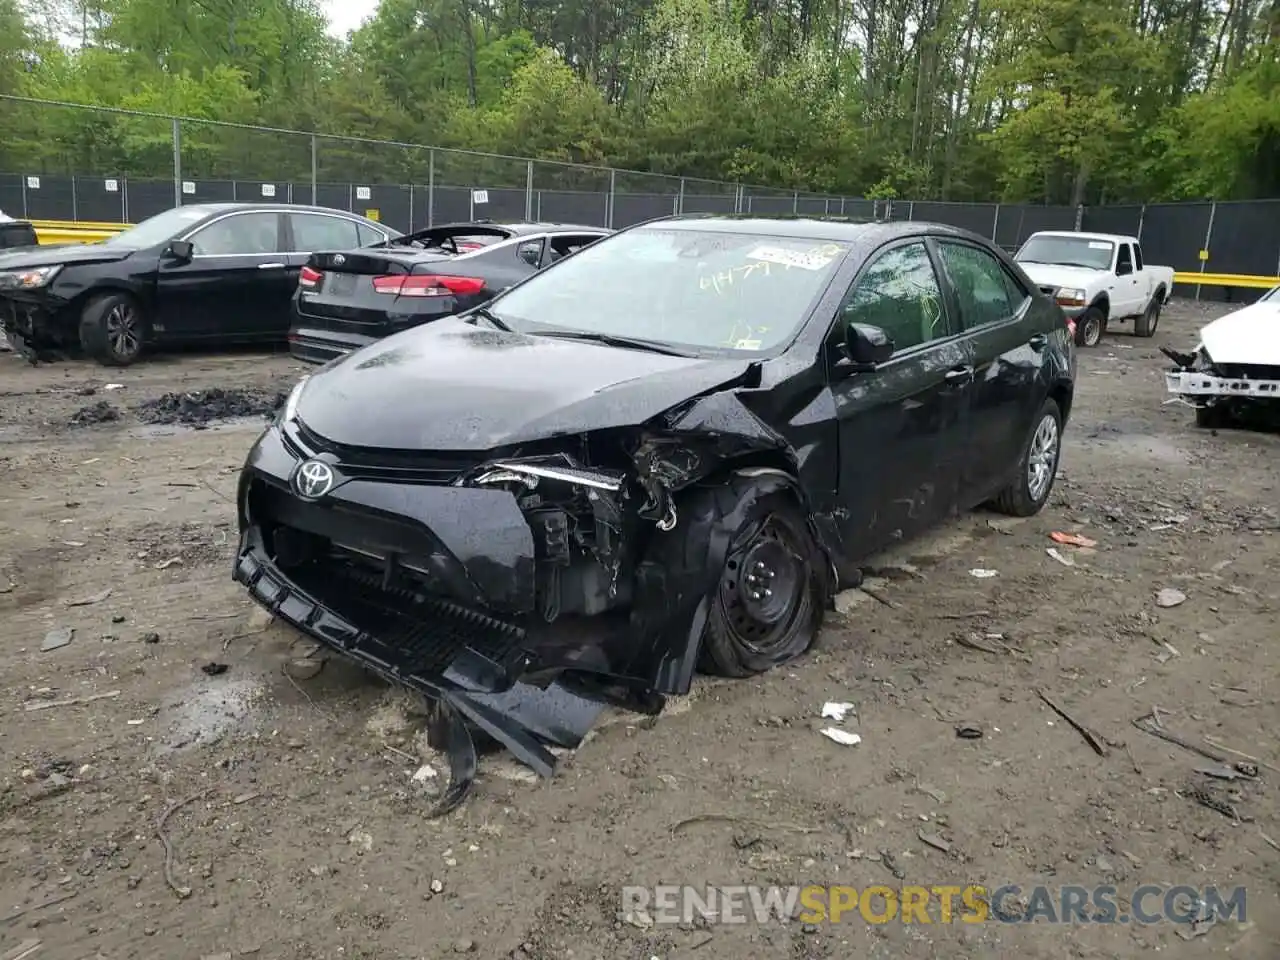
(764, 261)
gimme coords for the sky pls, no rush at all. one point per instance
(346, 15)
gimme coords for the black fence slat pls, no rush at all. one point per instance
(1245, 237)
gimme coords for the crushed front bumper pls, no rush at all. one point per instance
(1186, 383)
(464, 647)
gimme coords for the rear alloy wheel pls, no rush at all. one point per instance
(111, 329)
(768, 604)
(1089, 328)
(1038, 469)
(1145, 326)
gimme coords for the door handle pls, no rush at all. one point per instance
(1038, 341)
(271, 266)
(958, 375)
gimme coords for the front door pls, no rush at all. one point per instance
(1007, 347)
(236, 278)
(902, 427)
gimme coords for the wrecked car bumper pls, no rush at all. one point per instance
(314, 345)
(428, 586)
(26, 323)
(1192, 384)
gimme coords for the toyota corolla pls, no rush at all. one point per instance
(665, 453)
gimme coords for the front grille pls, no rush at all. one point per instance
(411, 635)
(388, 466)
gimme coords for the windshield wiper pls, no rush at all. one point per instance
(612, 340)
(493, 318)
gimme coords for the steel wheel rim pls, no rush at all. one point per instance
(1092, 331)
(764, 587)
(1042, 458)
(122, 330)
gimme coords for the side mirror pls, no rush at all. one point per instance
(181, 250)
(866, 347)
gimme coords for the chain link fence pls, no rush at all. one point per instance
(61, 161)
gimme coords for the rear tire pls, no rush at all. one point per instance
(769, 602)
(1212, 416)
(1090, 327)
(1145, 325)
(1037, 467)
(112, 328)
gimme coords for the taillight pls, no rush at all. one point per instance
(409, 285)
(309, 279)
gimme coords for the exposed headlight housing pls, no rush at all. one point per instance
(1070, 297)
(31, 278)
(290, 409)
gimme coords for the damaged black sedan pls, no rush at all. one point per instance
(664, 454)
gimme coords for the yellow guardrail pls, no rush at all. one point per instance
(62, 231)
(1226, 280)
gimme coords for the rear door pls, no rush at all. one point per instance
(236, 284)
(903, 426)
(1007, 347)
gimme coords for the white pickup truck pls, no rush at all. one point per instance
(1097, 279)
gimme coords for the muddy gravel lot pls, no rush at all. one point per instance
(182, 779)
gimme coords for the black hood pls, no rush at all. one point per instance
(449, 385)
(65, 253)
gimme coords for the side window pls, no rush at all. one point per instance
(368, 235)
(1124, 261)
(1137, 256)
(564, 245)
(240, 233)
(981, 283)
(530, 252)
(899, 293)
(313, 232)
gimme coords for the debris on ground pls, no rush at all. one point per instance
(835, 711)
(214, 669)
(100, 412)
(969, 731)
(202, 406)
(983, 574)
(1072, 539)
(57, 638)
(1057, 555)
(1090, 737)
(842, 737)
(91, 599)
(1169, 597)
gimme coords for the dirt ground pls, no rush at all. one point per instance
(306, 836)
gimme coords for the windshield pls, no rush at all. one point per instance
(1271, 295)
(691, 289)
(1068, 251)
(156, 230)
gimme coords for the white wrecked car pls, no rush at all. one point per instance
(1235, 368)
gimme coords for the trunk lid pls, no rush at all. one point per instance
(337, 291)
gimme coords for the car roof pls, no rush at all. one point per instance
(801, 227)
(214, 208)
(520, 227)
(1109, 237)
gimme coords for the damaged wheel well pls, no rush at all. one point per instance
(1062, 393)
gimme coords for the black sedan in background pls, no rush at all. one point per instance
(348, 299)
(212, 273)
(667, 451)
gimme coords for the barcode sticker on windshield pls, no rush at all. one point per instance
(1099, 245)
(806, 260)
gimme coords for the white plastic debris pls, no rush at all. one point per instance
(424, 773)
(835, 711)
(1169, 597)
(114, 386)
(982, 574)
(842, 737)
(1064, 560)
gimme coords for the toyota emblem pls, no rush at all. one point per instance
(313, 480)
(339, 259)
